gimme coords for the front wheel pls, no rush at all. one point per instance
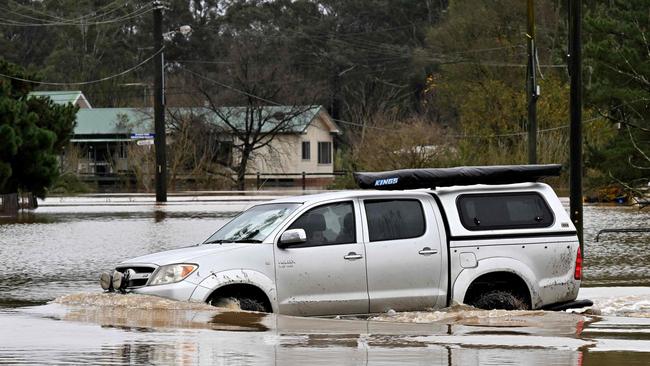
(239, 302)
(499, 299)
(250, 304)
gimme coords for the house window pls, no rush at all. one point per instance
(223, 153)
(324, 153)
(306, 150)
(121, 150)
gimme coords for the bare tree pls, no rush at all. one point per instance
(141, 163)
(195, 152)
(256, 98)
(398, 144)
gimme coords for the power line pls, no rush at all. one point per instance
(243, 92)
(512, 134)
(135, 14)
(373, 127)
(458, 136)
(95, 13)
(329, 34)
(86, 82)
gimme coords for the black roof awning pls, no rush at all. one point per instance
(458, 176)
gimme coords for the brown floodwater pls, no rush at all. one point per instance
(53, 312)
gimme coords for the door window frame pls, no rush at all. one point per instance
(358, 232)
(388, 199)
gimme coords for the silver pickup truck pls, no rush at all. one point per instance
(509, 246)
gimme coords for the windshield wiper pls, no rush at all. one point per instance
(247, 241)
(218, 241)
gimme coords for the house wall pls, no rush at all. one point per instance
(100, 158)
(82, 103)
(285, 153)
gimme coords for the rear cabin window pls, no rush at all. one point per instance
(394, 219)
(504, 211)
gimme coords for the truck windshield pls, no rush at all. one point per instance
(253, 225)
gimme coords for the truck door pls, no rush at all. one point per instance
(403, 254)
(326, 274)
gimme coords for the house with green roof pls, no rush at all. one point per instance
(74, 97)
(103, 138)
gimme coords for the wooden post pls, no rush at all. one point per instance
(575, 70)
(159, 106)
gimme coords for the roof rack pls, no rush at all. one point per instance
(458, 176)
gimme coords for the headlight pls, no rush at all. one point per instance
(172, 273)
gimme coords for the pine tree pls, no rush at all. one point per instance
(33, 132)
(617, 50)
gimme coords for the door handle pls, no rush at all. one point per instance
(428, 251)
(352, 256)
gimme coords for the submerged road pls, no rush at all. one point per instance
(52, 311)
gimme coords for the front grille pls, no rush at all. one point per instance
(139, 276)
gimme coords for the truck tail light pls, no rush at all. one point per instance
(578, 273)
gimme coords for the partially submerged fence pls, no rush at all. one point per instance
(11, 203)
(622, 230)
(290, 179)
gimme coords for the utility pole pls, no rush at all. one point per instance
(159, 105)
(575, 70)
(531, 85)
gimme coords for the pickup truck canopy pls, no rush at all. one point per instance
(458, 176)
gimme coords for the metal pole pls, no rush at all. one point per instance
(531, 82)
(159, 106)
(575, 70)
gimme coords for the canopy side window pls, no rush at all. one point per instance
(501, 211)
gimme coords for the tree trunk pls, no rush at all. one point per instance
(241, 169)
(241, 180)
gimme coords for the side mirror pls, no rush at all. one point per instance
(293, 236)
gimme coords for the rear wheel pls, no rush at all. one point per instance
(499, 299)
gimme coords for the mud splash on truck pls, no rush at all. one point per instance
(149, 311)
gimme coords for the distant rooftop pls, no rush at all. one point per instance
(74, 97)
(126, 121)
(123, 121)
(113, 121)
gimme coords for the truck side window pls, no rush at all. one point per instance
(496, 211)
(394, 219)
(327, 225)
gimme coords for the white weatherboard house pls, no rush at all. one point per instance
(305, 145)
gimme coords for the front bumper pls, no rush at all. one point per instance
(181, 291)
(133, 278)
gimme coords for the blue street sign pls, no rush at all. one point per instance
(142, 135)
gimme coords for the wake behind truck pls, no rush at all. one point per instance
(491, 237)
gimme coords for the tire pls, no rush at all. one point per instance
(250, 304)
(242, 302)
(499, 299)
